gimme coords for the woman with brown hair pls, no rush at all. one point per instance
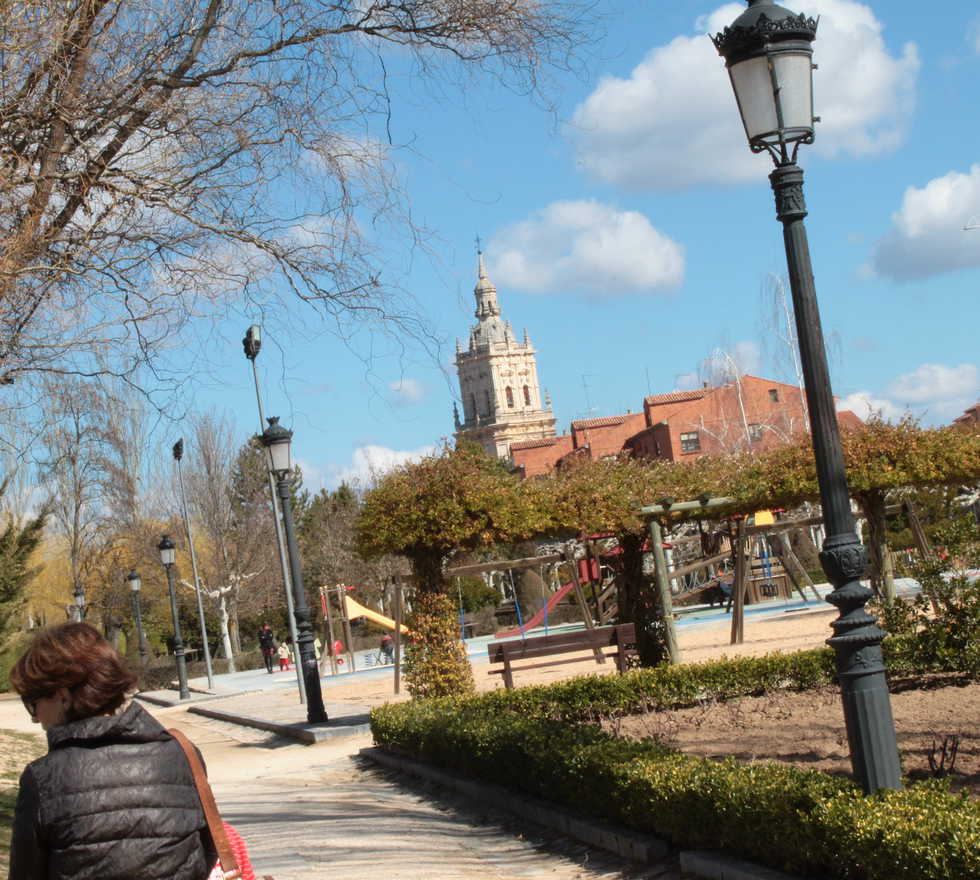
(114, 798)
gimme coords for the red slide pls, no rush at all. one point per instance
(539, 617)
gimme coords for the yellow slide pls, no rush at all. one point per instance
(355, 609)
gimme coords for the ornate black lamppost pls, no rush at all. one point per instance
(769, 57)
(133, 579)
(168, 555)
(252, 344)
(278, 440)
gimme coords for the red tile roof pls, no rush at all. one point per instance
(675, 397)
(601, 423)
(533, 444)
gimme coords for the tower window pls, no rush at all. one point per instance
(774, 395)
(510, 397)
(472, 412)
(486, 401)
(527, 396)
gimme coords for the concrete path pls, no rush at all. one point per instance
(318, 811)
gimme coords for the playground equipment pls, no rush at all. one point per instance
(355, 610)
(512, 565)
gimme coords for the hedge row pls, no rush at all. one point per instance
(536, 740)
(592, 697)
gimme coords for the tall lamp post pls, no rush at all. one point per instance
(278, 441)
(252, 343)
(178, 452)
(768, 52)
(168, 555)
(133, 579)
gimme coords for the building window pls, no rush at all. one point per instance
(472, 413)
(510, 397)
(527, 396)
(774, 395)
(486, 402)
(690, 442)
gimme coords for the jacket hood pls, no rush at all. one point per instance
(133, 725)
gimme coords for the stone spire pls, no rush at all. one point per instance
(485, 292)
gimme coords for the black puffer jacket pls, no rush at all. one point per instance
(114, 799)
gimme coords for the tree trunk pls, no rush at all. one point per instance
(427, 569)
(234, 631)
(223, 620)
(643, 604)
(872, 505)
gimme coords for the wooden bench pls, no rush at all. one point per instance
(621, 637)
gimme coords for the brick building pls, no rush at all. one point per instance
(971, 416)
(749, 414)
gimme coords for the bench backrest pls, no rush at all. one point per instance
(562, 643)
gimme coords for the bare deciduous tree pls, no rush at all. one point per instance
(161, 161)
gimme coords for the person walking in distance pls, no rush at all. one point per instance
(267, 642)
(388, 648)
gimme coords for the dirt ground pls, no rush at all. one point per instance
(807, 729)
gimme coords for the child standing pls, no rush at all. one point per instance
(284, 655)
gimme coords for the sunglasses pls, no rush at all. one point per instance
(30, 703)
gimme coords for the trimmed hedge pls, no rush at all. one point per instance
(539, 740)
(592, 697)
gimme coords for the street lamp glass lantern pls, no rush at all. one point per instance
(278, 440)
(80, 599)
(769, 54)
(134, 580)
(252, 343)
(168, 551)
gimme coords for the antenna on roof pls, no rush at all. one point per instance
(589, 408)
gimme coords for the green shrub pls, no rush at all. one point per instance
(436, 664)
(794, 820)
(540, 740)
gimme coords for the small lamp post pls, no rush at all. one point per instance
(278, 440)
(133, 579)
(768, 52)
(168, 555)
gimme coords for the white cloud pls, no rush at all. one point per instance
(864, 404)
(934, 392)
(973, 35)
(932, 383)
(312, 475)
(586, 246)
(673, 122)
(927, 236)
(370, 462)
(407, 390)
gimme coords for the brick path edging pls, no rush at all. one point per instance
(631, 845)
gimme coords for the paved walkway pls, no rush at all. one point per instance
(318, 811)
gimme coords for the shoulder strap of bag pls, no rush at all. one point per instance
(226, 855)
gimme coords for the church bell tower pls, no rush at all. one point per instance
(498, 380)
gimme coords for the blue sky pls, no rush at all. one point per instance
(632, 233)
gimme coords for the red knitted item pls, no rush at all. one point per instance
(241, 853)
